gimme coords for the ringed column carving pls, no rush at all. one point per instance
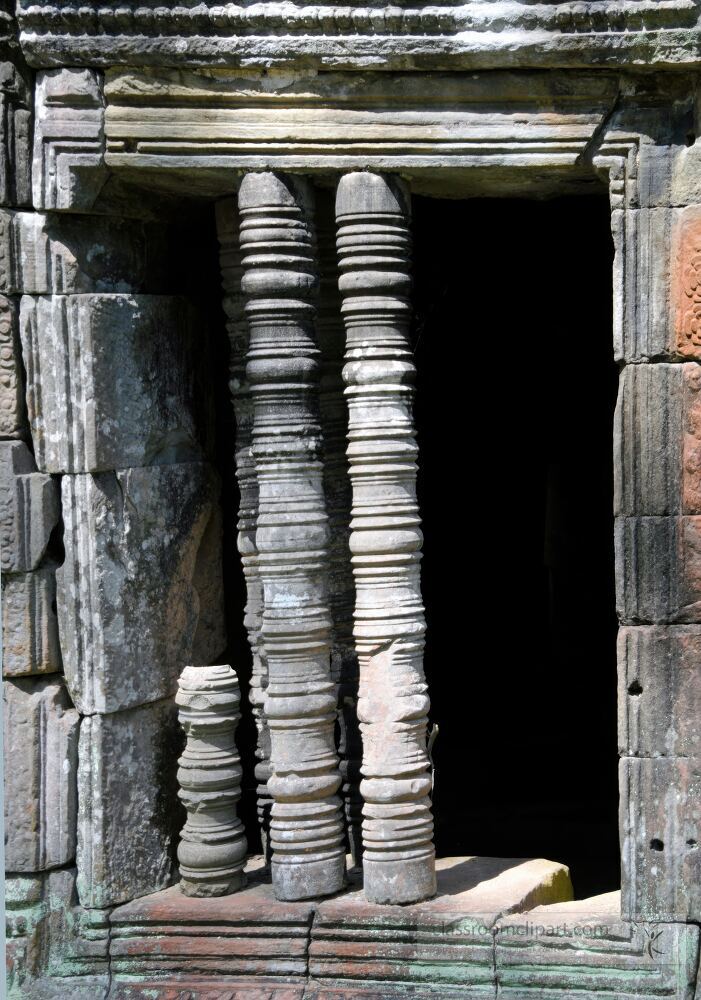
(212, 849)
(337, 488)
(292, 537)
(237, 328)
(372, 214)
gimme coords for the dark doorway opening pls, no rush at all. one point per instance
(514, 410)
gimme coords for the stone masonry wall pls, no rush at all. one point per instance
(111, 544)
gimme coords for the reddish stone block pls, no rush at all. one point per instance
(686, 282)
(168, 936)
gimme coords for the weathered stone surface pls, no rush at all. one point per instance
(82, 417)
(374, 247)
(41, 743)
(658, 569)
(127, 804)
(657, 440)
(584, 949)
(68, 158)
(29, 509)
(169, 936)
(25, 915)
(660, 825)
(29, 625)
(321, 35)
(199, 129)
(642, 316)
(212, 848)
(139, 593)
(686, 282)
(659, 690)
(292, 536)
(13, 415)
(57, 949)
(15, 136)
(45, 253)
(445, 943)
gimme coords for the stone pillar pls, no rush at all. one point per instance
(237, 328)
(292, 538)
(212, 849)
(337, 489)
(372, 213)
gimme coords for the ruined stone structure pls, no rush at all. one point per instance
(298, 136)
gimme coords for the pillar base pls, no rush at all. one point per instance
(400, 882)
(206, 888)
(308, 880)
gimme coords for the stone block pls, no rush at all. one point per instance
(29, 624)
(658, 569)
(250, 934)
(25, 918)
(82, 417)
(139, 592)
(29, 509)
(13, 414)
(74, 254)
(15, 136)
(445, 943)
(128, 814)
(660, 827)
(657, 440)
(642, 327)
(41, 743)
(659, 690)
(68, 168)
(584, 949)
(686, 282)
(57, 948)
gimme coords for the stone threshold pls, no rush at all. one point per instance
(497, 927)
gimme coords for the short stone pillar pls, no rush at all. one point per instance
(212, 849)
(372, 214)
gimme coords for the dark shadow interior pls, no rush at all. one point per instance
(514, 410)
(516, 388)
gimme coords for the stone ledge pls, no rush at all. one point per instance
(165, 944)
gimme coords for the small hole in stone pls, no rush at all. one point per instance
(635, 688)
(692, 843)
(656, 845)
(690, 138)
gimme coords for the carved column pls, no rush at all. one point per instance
(374, 246)
(279, 281)
(237, 327)
(212, 849)
(337, 489)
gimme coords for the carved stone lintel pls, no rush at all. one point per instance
(337, 490)
(69, 140)
(212, 849)
(237, 328)
(374, 245)
(292, 537)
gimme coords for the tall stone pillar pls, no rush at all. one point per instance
(372, 213)
(337, 488)
(237, 328)
(292, 537)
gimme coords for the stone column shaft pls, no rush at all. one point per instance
(372, 213)
(230, 261)
(292, 536)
